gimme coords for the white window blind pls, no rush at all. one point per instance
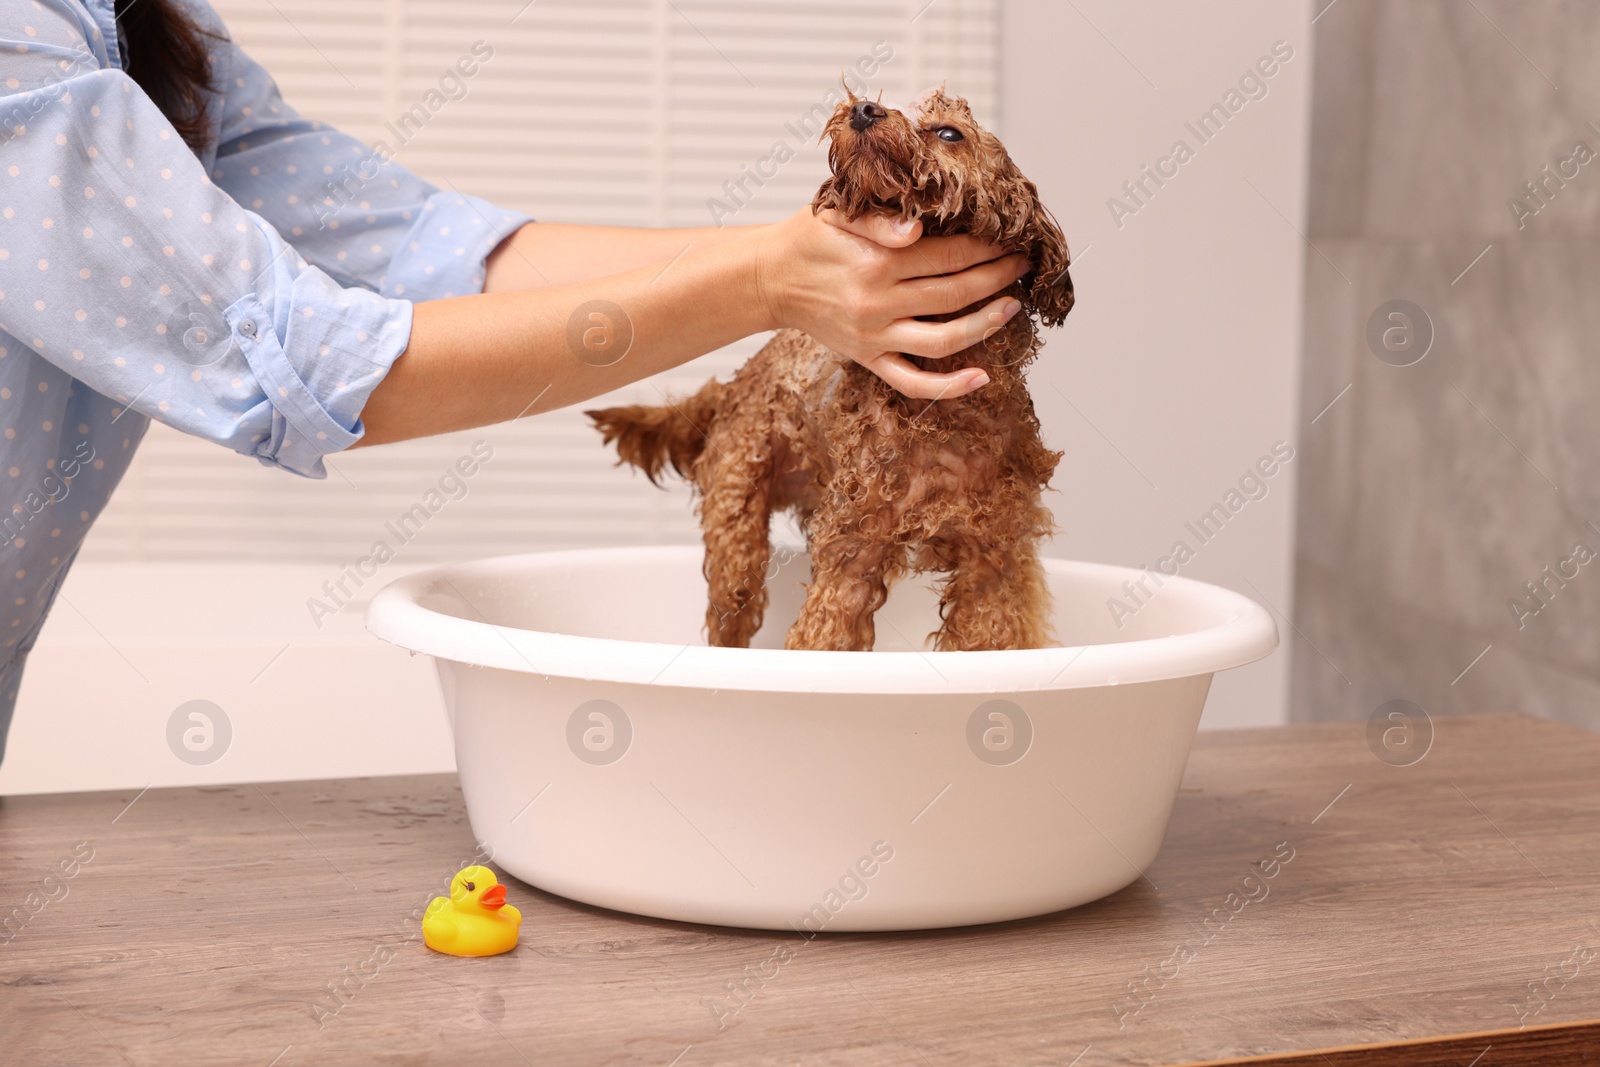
(627, 112)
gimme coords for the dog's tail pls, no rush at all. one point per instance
(651, 437)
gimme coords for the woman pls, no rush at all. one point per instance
(169, 249)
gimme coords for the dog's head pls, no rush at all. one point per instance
(937, 164)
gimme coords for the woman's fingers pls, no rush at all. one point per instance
(907, 256)
(943, 295)
(923, 258)
(936, 340)
(879, 229)
(933, 256)
(859, 287)
(898, 372)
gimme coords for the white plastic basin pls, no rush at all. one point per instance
(608, 755)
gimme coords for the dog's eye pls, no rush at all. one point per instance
(949, 134)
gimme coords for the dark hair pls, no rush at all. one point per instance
(167, 58)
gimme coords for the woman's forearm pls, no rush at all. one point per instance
(555, 253)
(477, 360)
(865, 288)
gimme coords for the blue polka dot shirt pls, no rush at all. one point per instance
(252, 294)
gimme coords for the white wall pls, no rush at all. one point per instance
(1175, 372)
(1178, 367)
(127, 644)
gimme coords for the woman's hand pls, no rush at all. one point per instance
(859, 287)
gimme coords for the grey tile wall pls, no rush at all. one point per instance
(1431, 494)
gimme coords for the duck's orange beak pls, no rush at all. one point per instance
(494, 898)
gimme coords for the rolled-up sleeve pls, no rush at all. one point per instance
(125, 264)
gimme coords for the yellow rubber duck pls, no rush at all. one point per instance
(474, 920)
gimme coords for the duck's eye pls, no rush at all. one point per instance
(949, 134)
(468, 886)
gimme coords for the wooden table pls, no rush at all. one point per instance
(1445, 904)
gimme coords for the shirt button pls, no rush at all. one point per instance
(248, 327)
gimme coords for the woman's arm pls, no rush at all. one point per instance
(483, 359)
(130, 270)
(558, 253)
(353, 210)
(359, 214)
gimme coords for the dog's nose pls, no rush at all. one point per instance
(865, 114)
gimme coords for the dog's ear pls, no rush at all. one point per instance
(1026, 225)
(1050, 294)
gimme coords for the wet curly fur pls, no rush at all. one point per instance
(884, 485)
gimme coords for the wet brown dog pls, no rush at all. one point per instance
(883, 485)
